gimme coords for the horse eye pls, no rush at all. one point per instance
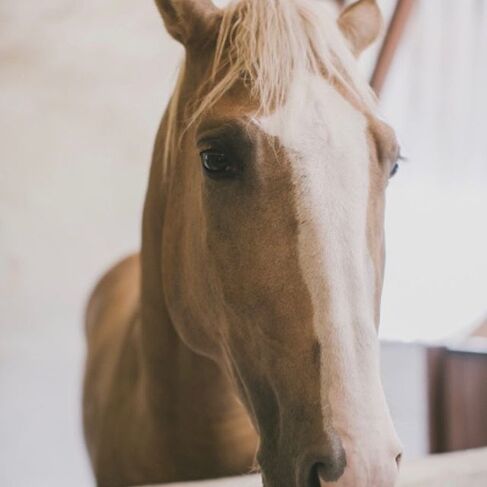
(394, 170)
(218, 165)
(395, 167)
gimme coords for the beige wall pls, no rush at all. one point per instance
(82, 89)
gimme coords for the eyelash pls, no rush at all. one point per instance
(395, 167)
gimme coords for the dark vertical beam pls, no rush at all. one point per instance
(465, 399)
(395, 31)
(436, 359)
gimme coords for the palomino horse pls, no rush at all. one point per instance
(244, 335)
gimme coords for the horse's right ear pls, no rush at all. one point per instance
(189, 21)
(361, 24)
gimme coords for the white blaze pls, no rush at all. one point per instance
(326, 141)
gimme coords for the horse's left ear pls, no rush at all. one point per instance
(361, 24)
(189, 21)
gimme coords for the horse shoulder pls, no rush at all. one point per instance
(111, 311)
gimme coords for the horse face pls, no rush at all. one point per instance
(293, 223)
(273, 267)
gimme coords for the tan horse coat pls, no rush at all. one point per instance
(209, 335)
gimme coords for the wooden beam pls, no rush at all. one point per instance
(395, 31)
(436, 359)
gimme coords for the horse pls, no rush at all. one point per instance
(243, 336)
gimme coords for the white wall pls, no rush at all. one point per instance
(436, 98)
(404, 377)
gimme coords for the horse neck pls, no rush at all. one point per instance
(181, 385)
(163, 351)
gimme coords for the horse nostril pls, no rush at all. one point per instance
(328, 469)
(314, 476)
(321, 464)
(398, 460)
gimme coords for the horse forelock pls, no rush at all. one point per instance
(265, 45)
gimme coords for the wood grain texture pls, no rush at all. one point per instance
(465, 400)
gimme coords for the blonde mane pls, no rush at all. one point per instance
(267, 43)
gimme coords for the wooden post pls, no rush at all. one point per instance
(401, 15)
(436, 358)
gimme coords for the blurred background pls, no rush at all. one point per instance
(83, 86)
